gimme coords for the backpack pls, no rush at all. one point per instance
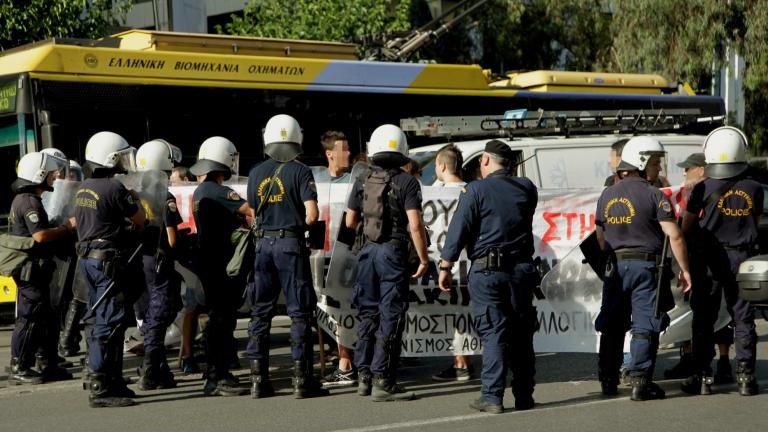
(14, 253)
(380, 206)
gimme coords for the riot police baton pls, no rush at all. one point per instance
(111, 285)
(661, 268)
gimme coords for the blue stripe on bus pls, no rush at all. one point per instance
(373, 74)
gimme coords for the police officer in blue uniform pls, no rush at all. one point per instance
(388, 200)
(283, 195)
(102, 207)
(493, 221)
(721, 218)
(157, 158)
(631, 219)
(217, 211)
(28, 219)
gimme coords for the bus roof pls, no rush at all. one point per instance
(185, 59)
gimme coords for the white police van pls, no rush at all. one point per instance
(549, 156)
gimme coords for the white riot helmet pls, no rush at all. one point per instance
(725, 150)
(108, 150)
(56, 153)
(638, 151)
(388, 146)
(75, 171)
(34, 168)
(217, 154)
(157, 155)
(283, 138)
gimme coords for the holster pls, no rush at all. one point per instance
(316, 235)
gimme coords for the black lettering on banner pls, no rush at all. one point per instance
(449, 321)
(430, 345)
(423, 324)
(410, 322)
(436, 325)
(461, 324)
(563, 327)
(447, 210)
(429, 213)
(348, 322)
(433, 295)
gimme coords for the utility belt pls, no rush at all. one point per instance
(37, 268)
(498, 259)
(634, 255)
(260, 233)
(104, 251)
(398, 241)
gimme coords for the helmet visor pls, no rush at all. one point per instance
(175, 154)
(656, 169)
(54, 164)
(235, 165)
(126, 160)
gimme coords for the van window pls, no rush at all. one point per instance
(583, 167)
(426, 161)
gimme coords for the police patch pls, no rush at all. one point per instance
(233, 196)
(172, 206)
(33, 217)
(129, 199)
(313, 186)
(665, 205)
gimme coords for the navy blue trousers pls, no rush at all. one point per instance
(163, 301)
(222, 297)
(35, 320)
(705, 303)
(502, 302)
(105, 334)
(629, 302)
(380, 295)
(281, 263)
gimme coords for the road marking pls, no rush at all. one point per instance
(546, 407)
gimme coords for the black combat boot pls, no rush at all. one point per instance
(69, 340)
(23, 375)
(644, 389)
(364, 382)
(698, 384)
(261, 385)
(304, 383)
(221, 384)
(745, 377)
(522, 389)
(386, 390)
(609, 383)
(103, 396)
(724, 374)
(155, 372)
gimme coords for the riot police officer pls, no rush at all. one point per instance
(162, 284)
(493, 221)
(28, 219)
(102, 207)
(631, 219)
(388, 200)
(721, 218)
(283, 194)
(217, 209)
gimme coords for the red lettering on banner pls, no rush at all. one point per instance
(569, 217)
(586, 229)
(551, 233)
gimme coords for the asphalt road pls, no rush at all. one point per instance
(567, 396)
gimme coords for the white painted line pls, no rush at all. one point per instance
(454, 419)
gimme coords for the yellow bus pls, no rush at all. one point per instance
(187, 87)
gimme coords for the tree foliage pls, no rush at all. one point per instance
(26, 21)
(332, 20)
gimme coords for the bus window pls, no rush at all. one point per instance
(9, 158)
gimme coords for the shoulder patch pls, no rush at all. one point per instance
(463, 190)
(172, 206)
(129, 199)
(233, 196)
(665, 205)
(33, 217)
(313, 186)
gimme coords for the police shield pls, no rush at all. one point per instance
(60, 204)
(152, 190)
(341, 269)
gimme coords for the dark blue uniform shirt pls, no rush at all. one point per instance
(492, 213)
(733, 218)
(408, 195)
(214, 208)
(629, 213)
(101, 207)
(284, 208)
(27, 217)
(170, 218)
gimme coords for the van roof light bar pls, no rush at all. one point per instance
(563, 123)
